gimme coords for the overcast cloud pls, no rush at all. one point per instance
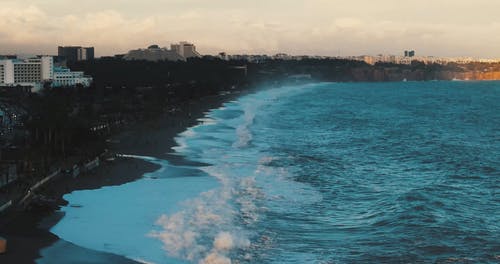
(314, 27)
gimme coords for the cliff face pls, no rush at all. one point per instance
(397, 74)
(472, 75)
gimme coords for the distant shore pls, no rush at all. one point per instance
(28, 232)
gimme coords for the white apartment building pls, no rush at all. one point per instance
(6, 72)
(35, 72)
(185, 49)
(30, 72)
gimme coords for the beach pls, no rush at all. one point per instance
(28, 232)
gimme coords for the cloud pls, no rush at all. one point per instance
(21, 25)
(348, 23)
(322, 27)
(109, 30)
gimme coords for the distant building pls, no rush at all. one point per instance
(282, 56)
(250, 58)
(69, 53)
(154, 53)
(223, 56)
(185, 49)
(76, 53)
(177, 52)
(8, 57)
(35, 72)
(409, 53)
(87, 53)
(64, 77)
(6, 72)
(30, 72)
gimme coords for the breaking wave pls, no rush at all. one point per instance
(218, 226)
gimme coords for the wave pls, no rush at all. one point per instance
(216, 226)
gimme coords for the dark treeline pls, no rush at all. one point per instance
(321, 70)
(75, 121)
(212, 74)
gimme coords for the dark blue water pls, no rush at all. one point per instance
(320, 173)
(407, 172)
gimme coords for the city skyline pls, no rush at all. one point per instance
(300, 27)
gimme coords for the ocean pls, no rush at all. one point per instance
(403, 172)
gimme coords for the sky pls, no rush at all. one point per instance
(447, 28)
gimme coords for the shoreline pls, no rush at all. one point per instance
(27, 232)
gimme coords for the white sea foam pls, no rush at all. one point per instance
(210, 228)
(243, 131)
(146, 158)
(207, 121)
(266, 160)
(143, 261)
(223, 243)
(209, 217)
(181, 140)
(188, 133)
(215, 258)
(109, 213)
